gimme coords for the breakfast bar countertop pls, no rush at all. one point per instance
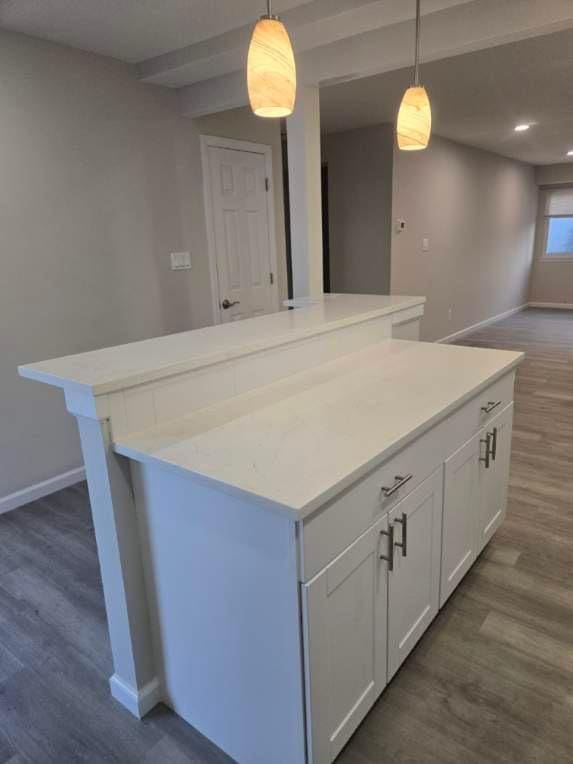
(110, 369)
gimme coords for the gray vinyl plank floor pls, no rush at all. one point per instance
(490, 681)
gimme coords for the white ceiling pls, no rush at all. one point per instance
(132, 30)
(199, 46)
(478, 98)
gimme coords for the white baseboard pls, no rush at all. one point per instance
(553, 305)
(139, 702)
(39, 490)
(469, 329)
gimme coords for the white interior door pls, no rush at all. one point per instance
(241, 232)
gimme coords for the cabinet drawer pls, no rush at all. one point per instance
(330, 530)
(494, 399)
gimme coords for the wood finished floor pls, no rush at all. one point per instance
(491, 681)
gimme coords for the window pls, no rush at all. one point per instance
(559, 224)
(559, 237)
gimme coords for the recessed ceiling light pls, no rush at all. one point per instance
(570, 153)
(521, 128)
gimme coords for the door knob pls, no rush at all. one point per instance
(226, 304)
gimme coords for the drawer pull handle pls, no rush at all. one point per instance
(404, 544)
(487, 441)
(494, 443)
(399, 482)
(390, 557)
(491, 405)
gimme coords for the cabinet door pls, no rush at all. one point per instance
(461, 507)
(345, 631)
(494, 479)
(414, 581)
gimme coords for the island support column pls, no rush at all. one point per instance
(134, 682)
(305, 194)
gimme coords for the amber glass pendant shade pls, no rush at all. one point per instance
(271, 69)
(414, 120)
(414, 124)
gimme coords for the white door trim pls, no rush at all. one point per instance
(211, 141)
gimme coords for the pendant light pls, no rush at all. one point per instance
(415, 116)
(271, 70)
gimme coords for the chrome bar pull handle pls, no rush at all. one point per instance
(487, 442)
(494, 443)
(399, 481)
(404, 543)
(491, 405)
(390, 556)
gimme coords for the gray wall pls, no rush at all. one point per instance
(360, 208)
(100, 178)
(478, 210)
(554, 174)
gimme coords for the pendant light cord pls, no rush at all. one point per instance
(269, 12)
(417, 52)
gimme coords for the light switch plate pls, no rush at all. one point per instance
(180, 261)
(425, 245)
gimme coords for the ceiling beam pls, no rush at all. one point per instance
(311, 25)
(460, 28)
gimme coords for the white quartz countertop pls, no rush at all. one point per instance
(110, 369)
(294, 444)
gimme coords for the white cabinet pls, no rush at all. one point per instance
(414, 579)
(357, 612)
(494, 476)
(476, 478)
(365, 611)
(345, 627)
(461, 506)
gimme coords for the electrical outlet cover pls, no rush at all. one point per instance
(180, 261)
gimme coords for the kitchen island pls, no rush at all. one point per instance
(281, 515)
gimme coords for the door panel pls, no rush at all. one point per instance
(241, 233)
(414, 583)
(494, 481)
(461, 506)
(345, 628)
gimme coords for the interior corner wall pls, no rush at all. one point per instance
(360, 208)
(478, 211)
(554, 174)
(100, 179)
(551, 281)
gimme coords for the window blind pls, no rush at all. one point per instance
(559, 202)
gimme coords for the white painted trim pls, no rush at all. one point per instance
(138, 703)
(552, 305)
(493, 319)
(211, 141)
(39, 490)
